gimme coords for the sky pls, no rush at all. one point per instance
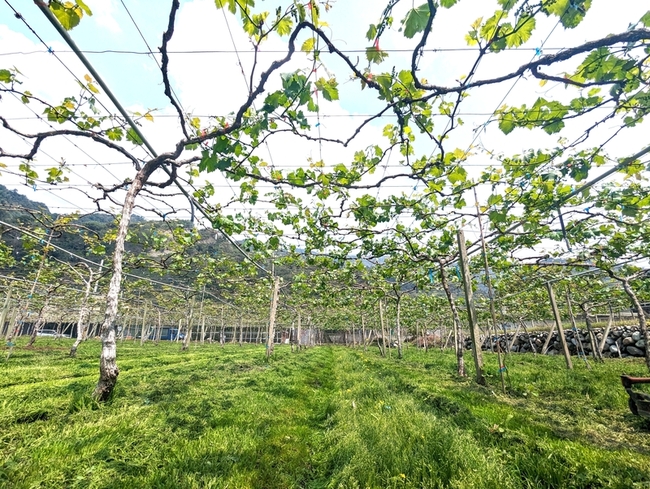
(208, 53)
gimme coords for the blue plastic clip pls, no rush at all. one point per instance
(34, 187)
(538, 51)
(317, 124)
(431, 275)
(50, 50)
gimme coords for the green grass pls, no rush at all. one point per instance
(321, 418)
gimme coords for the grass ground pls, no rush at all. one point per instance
(321, 418)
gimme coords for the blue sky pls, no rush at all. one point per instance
(107, 29)
(213, 84)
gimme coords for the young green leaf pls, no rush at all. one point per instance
(375, 55)
(416, 20)
(85, 8)
(133, 137)
(308, 45)
(522, 31)
(67, 14)
(328, 88)
(645, 20)
(6, 76)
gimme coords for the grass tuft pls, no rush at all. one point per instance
(320, 418)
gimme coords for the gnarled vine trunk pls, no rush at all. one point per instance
(641, 317)
(299, 332)
(188, 331)
(458, 337)
(5, 310)
(40, 321)
(595, 350)
(398, 326)
(270, 341)
(108, 370)
(83, 311)
(382, 345)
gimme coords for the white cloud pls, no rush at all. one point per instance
(213, 84)
(104, 15)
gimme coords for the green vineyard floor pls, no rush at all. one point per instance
(326, 417)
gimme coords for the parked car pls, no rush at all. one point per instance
(51, 333)
(169, 334)
(48, 332)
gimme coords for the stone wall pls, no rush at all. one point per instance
(624, 341)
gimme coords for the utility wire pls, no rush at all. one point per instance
(173, 92)
(49, 50)
(101, 266)
(538, 52)
(248, 87)
(150, 52)
(19, 16)
(314, 116)
(68, 166)
(113, 99)
(624, 163)
(92, 294)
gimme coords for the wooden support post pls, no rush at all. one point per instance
(241, 330)
(299, 332)
(223, 329)
(576, 334)
(548, 339)
(159, 329)
(488, 281)
(5, 310)
(471, 312)
(270, 341)
(558, 322)
(606, 333)
(382, 345)
(145, 331)
(530, 341)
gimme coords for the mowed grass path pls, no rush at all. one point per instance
(324, 417)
